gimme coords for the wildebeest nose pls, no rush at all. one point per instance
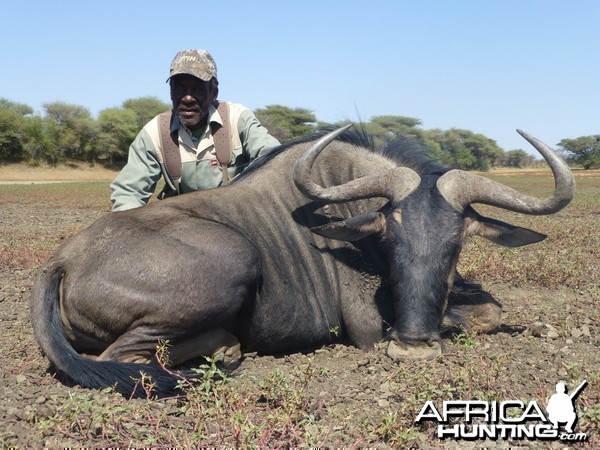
(401, 351)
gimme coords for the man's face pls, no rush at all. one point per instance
(191, 98)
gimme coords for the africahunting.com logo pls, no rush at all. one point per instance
(512, 419)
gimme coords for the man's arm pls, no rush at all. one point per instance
(136, 183)
(256, 140)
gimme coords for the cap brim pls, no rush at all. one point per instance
(194, 74)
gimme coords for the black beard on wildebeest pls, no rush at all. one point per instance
(324, 233)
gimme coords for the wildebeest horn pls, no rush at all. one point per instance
(461, 189)
(395, 183)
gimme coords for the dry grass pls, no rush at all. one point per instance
(568, 257)
(284, 407)
(75, 171)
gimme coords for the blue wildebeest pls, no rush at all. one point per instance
(306, 242)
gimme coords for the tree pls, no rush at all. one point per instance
(145, 108)
(39, 140)
(12, 118)
(584, 150)
(117, 127)
(516, 158)
(117, 130)
(386, 128)
(398, 125)
(72, 130)
(286, 123)
(18, 108)
(65, 114)
(464, 149)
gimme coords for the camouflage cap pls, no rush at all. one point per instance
(198, 63)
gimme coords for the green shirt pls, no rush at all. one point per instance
(136, 183)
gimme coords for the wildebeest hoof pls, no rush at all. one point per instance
(472, 308)
(229, 357)
(401, 351)
(481, 318)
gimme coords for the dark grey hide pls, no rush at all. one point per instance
(273, 262)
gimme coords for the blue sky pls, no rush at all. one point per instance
(486, 66)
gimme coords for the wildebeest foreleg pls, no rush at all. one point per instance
(472, 308)
(140, 346)
(217, 343)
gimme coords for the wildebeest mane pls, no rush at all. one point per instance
(405, 151)
(412, 153)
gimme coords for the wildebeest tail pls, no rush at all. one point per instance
(71, 367)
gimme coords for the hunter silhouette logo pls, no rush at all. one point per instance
(560, 406)
(507, 420)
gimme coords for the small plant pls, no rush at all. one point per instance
(464, 339)
(162, 352)
(204, 391)
(391, 431)
(280, 392)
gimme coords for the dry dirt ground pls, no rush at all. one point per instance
(334, 397)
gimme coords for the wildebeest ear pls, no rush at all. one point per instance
(501, 233)
(354, 228)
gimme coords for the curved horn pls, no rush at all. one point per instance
(394, 183)
(461, 189)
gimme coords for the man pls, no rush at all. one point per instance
(560, 407)
(196, 117)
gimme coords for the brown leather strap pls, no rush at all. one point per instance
(222, 139)
(170, 144)
(170, 148)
